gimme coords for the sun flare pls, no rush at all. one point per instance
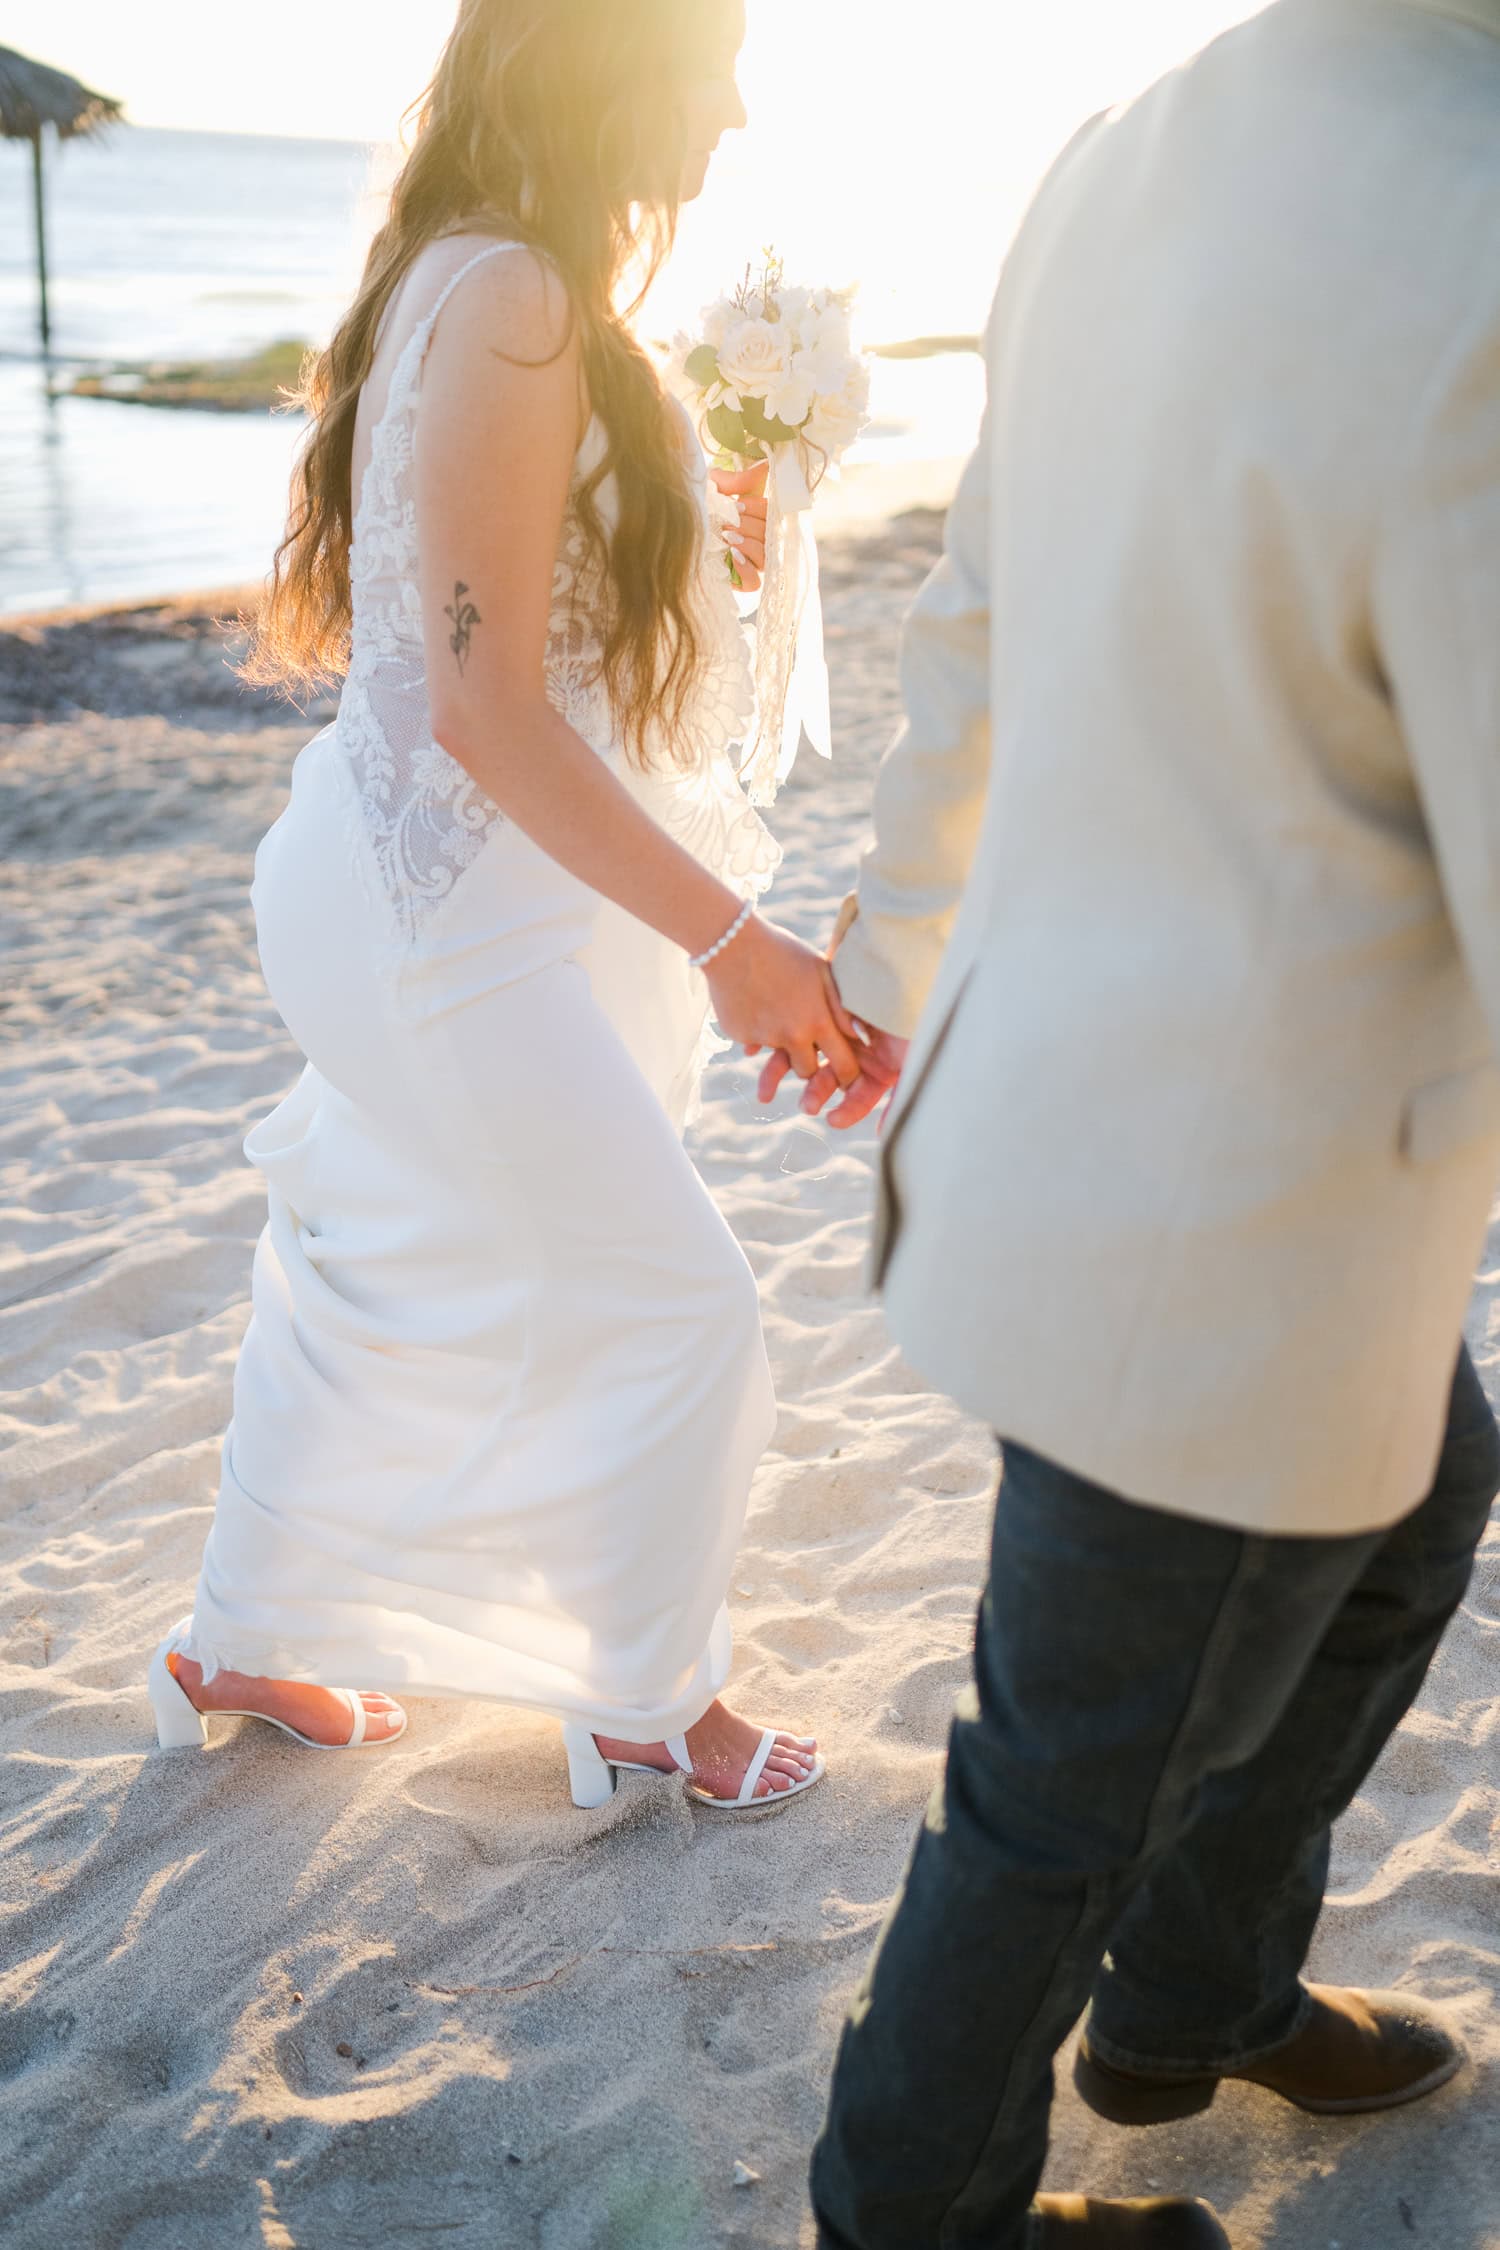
(890, 146)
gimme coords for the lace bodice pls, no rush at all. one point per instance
(424, 820)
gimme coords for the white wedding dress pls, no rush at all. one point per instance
(497, 1410)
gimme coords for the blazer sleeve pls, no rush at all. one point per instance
(1437, 616)
(930, 791)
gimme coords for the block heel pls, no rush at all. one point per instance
(180, 1725)
(590, 1774)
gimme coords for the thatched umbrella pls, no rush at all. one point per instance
(32, 97)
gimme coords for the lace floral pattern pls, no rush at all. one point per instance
(575, 657)
(423, 819)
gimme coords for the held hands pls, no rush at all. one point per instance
(882, 1058)
(771, 990)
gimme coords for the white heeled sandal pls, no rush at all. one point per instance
(180, 1725)
(593, 1775)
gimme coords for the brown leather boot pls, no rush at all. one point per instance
(1081, 2222)
(1357, 2051)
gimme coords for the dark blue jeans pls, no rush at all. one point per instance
(1165, 1720)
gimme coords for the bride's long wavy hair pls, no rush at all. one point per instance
(543, 125)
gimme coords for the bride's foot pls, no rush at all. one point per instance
(721, 1748)
(316, 1712)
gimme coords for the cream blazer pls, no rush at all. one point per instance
(1188, 860)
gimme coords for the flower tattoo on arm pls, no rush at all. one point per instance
(465, 617)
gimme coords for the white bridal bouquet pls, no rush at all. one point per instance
(773, 376)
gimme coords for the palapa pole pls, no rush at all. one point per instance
(41, 234)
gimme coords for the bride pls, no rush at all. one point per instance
(499, 1405)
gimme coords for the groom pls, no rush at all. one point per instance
(1199, 1131)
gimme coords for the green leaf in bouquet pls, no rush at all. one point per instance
(727, 429)
(765, 426)
(702, 367)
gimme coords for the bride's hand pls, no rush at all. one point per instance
(748, 544)
(771, 990)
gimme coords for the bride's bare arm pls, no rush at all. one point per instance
(501, 417)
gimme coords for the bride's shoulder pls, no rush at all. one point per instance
(508, 291)
(495, 314)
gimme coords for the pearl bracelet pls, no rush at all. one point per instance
(701, 960)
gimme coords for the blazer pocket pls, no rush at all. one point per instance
(1448, 1114)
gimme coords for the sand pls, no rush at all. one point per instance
(261, 1998)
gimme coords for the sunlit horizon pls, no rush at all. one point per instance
(888, 147)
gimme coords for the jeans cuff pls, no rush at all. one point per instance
(1218, 2063)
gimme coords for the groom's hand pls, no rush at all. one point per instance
(882, 1058)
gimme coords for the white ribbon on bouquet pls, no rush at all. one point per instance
(791, 670)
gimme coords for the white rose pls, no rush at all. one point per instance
(676, 376)
(839, 416)
(716, 322)
(832, 330)
(827, 371)
(790, 398)
(752, 357)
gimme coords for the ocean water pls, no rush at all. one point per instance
(171, 245)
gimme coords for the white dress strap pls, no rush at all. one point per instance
(490, 250)
(406, 377)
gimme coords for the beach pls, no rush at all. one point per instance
(256, 1997)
